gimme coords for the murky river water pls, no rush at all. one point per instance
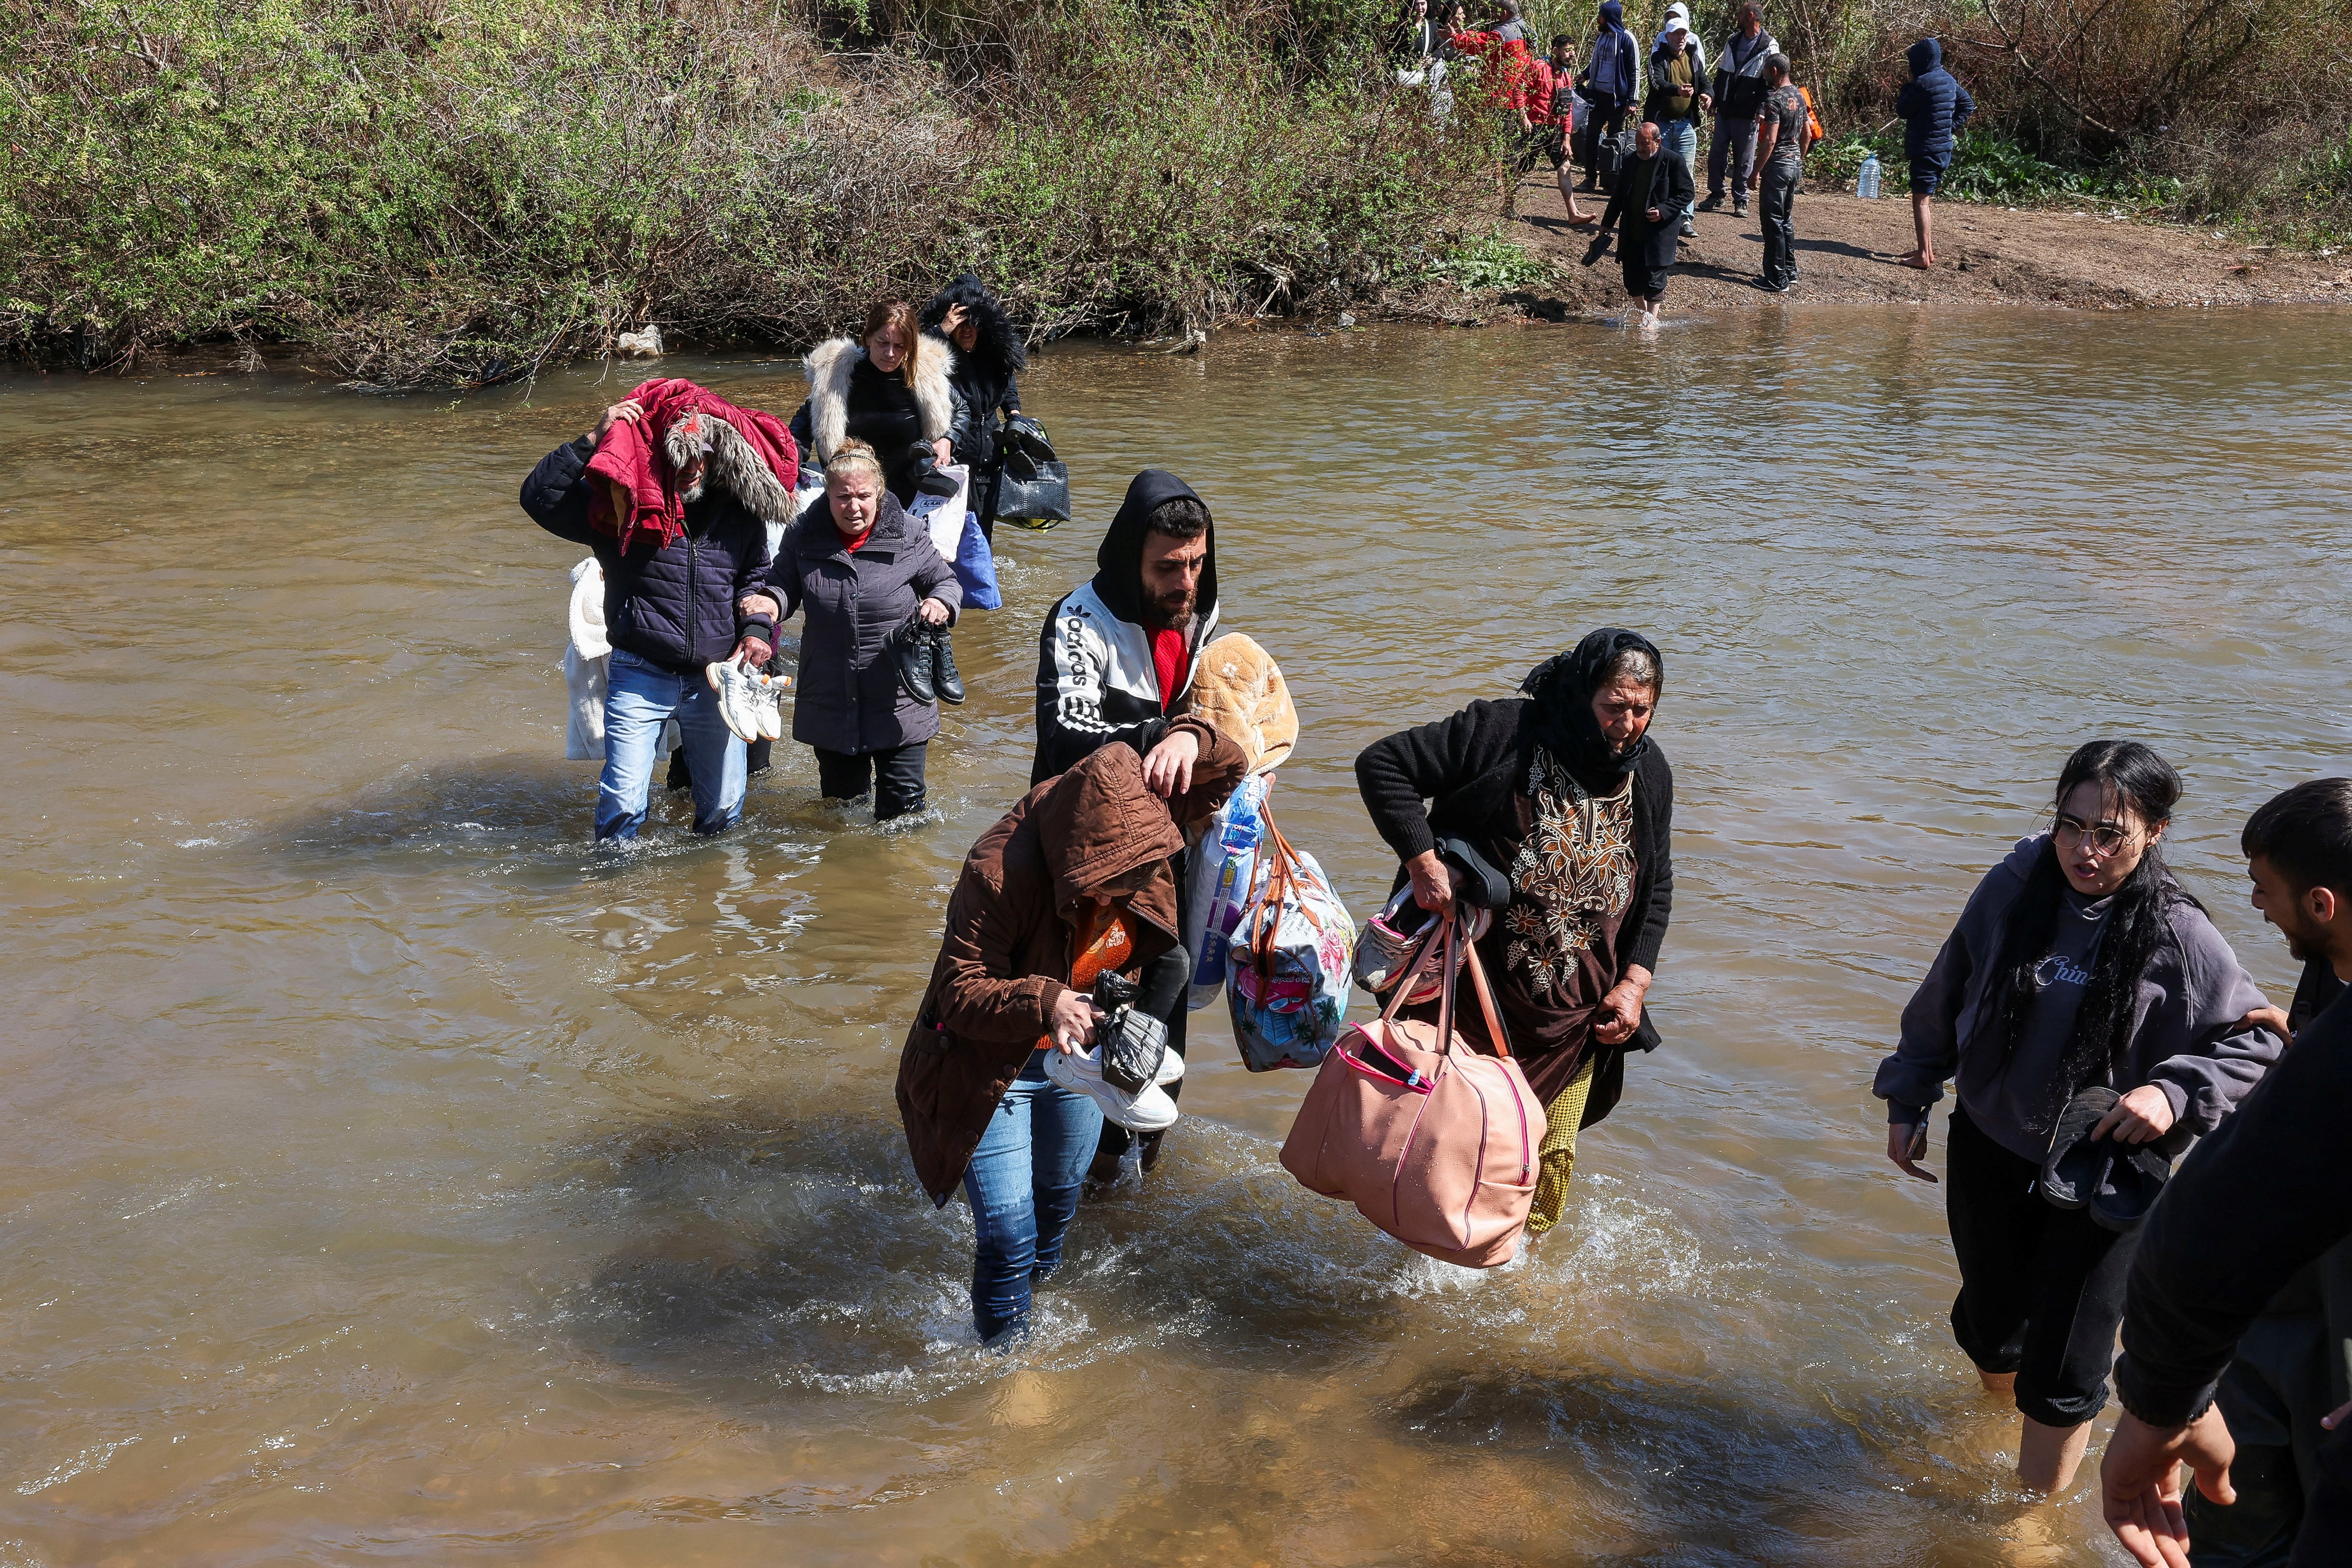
(389, 1176)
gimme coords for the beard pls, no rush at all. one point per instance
(694, 492)
(1170, 611)
(2299, 945)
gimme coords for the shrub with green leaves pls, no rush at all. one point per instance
(454, 197)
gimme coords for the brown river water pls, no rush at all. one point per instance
(392, 1177)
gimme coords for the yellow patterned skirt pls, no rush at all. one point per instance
(1556, 1156)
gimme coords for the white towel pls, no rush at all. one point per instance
(586, 655)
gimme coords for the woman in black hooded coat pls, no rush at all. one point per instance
(989, 354)
(1563, 791)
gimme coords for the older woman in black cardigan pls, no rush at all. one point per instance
(1564, 792)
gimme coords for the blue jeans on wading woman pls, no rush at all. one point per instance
(638, 696)
(1023, 1184)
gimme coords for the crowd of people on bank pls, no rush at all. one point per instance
(2094, 1025)
(1630, 119)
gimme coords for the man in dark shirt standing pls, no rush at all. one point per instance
(1779, 165)
(2251, 1207)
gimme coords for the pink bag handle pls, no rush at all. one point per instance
(1486, 1005)
(1449, 932)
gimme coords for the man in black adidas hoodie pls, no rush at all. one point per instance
(2251, 1207)
(1116, 662)
(1117, 656)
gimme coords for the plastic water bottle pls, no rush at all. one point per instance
(1865, 179)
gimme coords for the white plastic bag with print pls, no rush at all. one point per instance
(1287, 963)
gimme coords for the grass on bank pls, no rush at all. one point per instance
(453, 196)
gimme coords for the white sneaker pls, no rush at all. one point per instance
(1150, 1111)
(737, 698)
(771, 713)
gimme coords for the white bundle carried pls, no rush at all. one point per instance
(586, 657)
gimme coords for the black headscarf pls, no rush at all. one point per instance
(1559, 708)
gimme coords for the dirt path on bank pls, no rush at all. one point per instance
(2081, 258)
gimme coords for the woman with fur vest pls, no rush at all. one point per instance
(889, 388)
(989, 354)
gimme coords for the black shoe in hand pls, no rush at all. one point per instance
(928, 480)
(1029, 437)
(946, 680)
(1598, 248)
(910, 651)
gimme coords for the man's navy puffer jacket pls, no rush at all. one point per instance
(1933, 104)
(671, 605)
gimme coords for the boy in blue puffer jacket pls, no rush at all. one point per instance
(1934, 106)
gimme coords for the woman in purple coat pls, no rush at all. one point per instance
(870, 580)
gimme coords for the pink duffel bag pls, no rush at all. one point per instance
(1431, 1142)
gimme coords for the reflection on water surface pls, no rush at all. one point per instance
(395, 1178)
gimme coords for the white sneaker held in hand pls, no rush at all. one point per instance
(1149, 1112)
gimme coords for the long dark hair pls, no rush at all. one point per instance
(2133, 774)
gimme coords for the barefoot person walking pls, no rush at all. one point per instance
(2081, 980)
(1934, 106)
(1645, 211)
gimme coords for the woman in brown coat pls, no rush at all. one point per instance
(1071, 881)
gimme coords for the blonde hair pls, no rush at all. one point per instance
(852, 454)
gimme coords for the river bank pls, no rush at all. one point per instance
(2079, 257)
(2068, 258)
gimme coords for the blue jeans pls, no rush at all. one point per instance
(1681, 139)
(1023, 1186)
(639, 695)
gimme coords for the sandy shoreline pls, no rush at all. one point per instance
(2080, 258)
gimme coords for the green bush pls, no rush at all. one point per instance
(453, 201)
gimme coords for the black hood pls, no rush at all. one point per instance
(1925, 56)
(1119, 581)
(998, 342)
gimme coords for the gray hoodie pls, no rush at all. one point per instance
(2184, 1037)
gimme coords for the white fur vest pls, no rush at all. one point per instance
(829, 365)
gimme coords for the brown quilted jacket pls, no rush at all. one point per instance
(1005, 956)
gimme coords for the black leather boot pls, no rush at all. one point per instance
(910, 651)
(946, 680)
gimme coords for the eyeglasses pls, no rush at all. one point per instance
(2105, 839)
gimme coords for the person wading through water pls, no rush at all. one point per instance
(2079, 964)
(1564, 792)
(987, 360)
(1073, 882)
(1644, 211)
(1115, 663)
(2263, 1198)
(672, 490)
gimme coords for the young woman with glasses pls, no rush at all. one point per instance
(2079, 964)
